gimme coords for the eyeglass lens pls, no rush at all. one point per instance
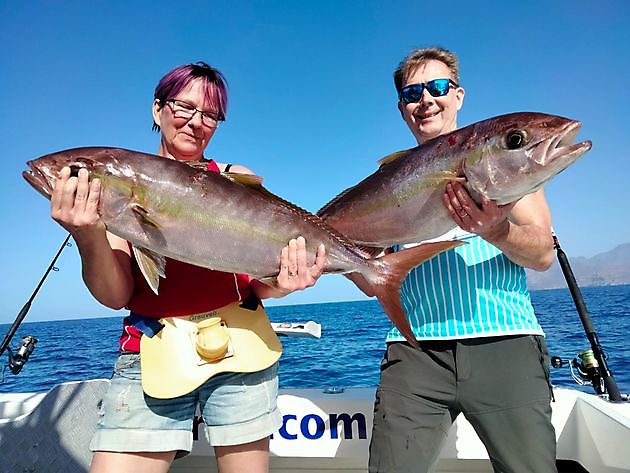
(186, 110)
(435, 87)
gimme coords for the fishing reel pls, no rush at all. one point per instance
(18, 359)
(584, 369)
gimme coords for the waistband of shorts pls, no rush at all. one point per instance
(451, 343)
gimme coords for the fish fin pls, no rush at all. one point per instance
(303, 214)
(152, 266)
(390, 158)
(443, 176)
(202, 165)
(396, 266)
(144, 214)
(330, 206)
(369, 251)
(245, 179)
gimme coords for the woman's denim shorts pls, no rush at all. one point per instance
(236, 408)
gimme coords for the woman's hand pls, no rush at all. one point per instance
(74, 203)
(105, 258)
(295, 273)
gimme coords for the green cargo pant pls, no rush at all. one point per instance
(500, 384)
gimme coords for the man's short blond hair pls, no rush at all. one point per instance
(418, 57)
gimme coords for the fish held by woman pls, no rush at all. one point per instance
(226, 222)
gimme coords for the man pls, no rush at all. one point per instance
(496, 373)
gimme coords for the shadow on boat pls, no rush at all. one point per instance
(50, 432)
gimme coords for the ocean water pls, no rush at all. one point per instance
(347, 355)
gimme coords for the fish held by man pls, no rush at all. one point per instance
(503, 158)
(226, 222)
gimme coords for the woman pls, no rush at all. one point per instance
(137, 433)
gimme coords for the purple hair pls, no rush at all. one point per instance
(174, 81)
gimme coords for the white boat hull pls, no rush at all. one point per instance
(50, 432)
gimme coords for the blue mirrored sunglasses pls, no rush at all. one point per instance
(436, 87)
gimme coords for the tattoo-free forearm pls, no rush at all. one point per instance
(528, 245)
(263, 291)
(106, 271)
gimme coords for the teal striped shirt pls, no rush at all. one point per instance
(470, 291)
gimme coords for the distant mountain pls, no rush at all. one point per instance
(605, 269)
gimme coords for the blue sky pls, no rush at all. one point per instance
(312, 104)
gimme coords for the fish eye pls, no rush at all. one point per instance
(515, 139)
(74, 170)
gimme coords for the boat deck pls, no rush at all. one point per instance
(321, 433)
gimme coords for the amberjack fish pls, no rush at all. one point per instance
(226, 222)
(502, 158)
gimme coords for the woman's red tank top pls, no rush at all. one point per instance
(186, 290)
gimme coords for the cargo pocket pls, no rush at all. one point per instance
(545, 361)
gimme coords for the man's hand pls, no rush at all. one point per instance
(488, 221)
(521, 229)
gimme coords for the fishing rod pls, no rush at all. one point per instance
(17, 360)
(596, 369)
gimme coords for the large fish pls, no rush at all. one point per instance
(226, 222)
(502, 158)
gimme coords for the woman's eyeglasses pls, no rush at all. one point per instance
(185, 110)
(436, 87)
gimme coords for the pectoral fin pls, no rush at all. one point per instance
(144, 215)
(448, 176)
(152, 266)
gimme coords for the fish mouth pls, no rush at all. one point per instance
(563, 146)
(38, 180)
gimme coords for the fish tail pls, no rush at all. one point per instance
(393, 269)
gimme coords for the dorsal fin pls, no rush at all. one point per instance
(203, 165)
(251, 180)
(390, 158)
(245, 179)
(255, 183)
(342, 195)
(308, 216)
(332, 203)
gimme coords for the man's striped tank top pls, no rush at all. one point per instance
(470, 291)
